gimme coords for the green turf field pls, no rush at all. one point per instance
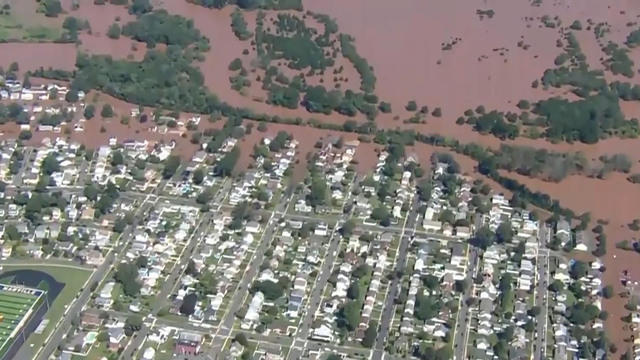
(16, 304)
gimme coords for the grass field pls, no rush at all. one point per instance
(23, 23)
(15, 306)
(74, 279)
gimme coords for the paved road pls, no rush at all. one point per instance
(389, 307)
(167, 287)
(541, 298)
(171, 281)
(316, 295)
(76, 307)
(461, 336)
(226, 324)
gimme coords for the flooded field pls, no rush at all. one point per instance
(31, 56)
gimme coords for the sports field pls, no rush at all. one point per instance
(16, 305)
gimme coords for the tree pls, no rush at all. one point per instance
(483, 238)
(353, 292)
(171, 166)
(228, 162)
(437, 112)
(107, 111)
(52, 8)
(114, 31)
(348, 227)
(349, 315)
(198, 176)
(270, 289)
(139, 7)
(504, 232)
(578, 270)
(447, 216)
(11, 233)
(91, 192)
(424, 189)
(117, 158)
(384, 107)
(126, 275)
(411, 106)
(50, 164)
(132, 324)
(188, 306)
(427, 307)
(607, 292)
(71, 96)
(241, 338)
(89, 111)
(318, 194)
(370, 334)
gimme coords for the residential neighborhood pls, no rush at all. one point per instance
(187, 259)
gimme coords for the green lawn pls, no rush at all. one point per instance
(12, 28)
(74, 280)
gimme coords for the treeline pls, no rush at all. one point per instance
(492, 122)
(239, 26)
(252, 4)
(595, 115)
(160, 27)
(539, 163)
(164, 79)
(367, 77)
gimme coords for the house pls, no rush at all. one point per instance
(563, 230)
(252, 227)
(584, 240)
(458, 256)
(116, 335)
(188, 343)
(90, 319)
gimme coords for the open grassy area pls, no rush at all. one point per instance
(74, 279)
(24, 24)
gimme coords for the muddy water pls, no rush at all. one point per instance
(31, 56)
(97, 42)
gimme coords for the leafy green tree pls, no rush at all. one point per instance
(198, 176)
(504, 232)
(91, 192)
(607, 292)
(107, 111)
(132, 324)
(271, 290)
(348, 227)
(126, 275)
(483, 238)
(370, 334)
(578, 270)
(89, 111)
(114, 31)
(241, 338)
(411, 106)
(349, 315)
(139, 7)
(171, 166)
(51, 8)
